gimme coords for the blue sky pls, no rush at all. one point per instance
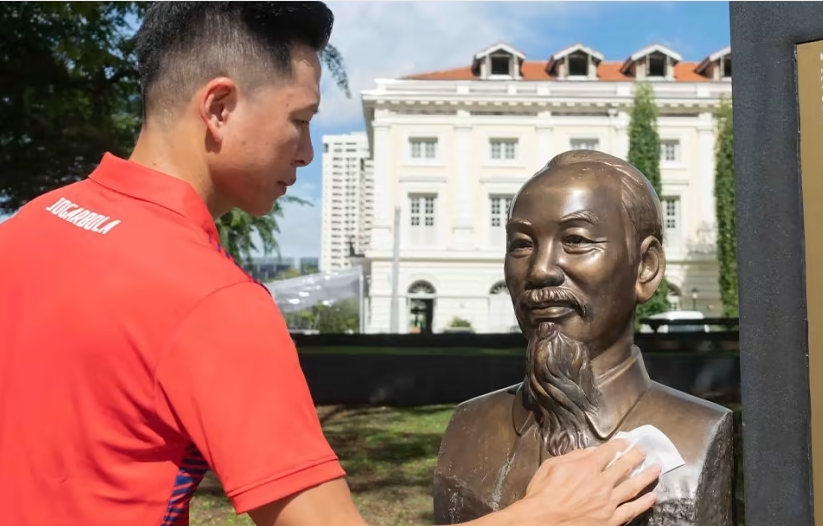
(390, 39)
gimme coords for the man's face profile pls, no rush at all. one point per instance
(568, 259)
(261, 135)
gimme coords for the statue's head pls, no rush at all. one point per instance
(584, 247)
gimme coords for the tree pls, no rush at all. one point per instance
(236, 230)
(336, 318)
(644, 153)
(69, 92)
(725, 210)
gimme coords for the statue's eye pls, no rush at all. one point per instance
(577, 240)
(517, 244)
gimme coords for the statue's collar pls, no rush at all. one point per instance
(621, 388)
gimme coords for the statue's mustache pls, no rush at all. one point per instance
(551, 296)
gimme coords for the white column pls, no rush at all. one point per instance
(612, 144)
(622, 135)
(543, 146)
(463, 209)
(381, 230)
(705, 132)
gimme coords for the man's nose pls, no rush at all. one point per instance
(544, 270)
(305, 151)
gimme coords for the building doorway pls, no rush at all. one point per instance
(421, 296)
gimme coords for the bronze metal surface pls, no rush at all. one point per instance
(810, 101)
(584, 248)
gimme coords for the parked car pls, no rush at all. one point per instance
(677, 315)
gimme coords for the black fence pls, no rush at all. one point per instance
(424, 369)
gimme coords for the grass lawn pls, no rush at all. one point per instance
(389, 455)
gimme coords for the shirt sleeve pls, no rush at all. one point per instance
(231, 382)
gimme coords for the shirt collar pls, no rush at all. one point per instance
(621, 388)
(140, 182)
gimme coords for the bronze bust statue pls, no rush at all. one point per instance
(584, 247)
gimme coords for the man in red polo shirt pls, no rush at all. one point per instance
(135, 355)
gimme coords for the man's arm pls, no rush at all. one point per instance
(578, 489)
(230, 382)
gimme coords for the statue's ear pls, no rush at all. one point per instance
(650, 270)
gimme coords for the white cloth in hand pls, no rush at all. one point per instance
(659, 449)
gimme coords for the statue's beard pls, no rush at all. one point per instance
(560, 388)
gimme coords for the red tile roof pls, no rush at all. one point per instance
(536, 70)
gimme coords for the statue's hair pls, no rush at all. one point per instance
(640, 201)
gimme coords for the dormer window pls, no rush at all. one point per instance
(652, 63)
(576, 62)
(717, 66)
(499, 62)
(656, 64)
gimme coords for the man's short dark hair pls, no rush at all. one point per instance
(181, 45)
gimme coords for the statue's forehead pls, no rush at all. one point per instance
(580, 185)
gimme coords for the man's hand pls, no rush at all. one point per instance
(578, 489)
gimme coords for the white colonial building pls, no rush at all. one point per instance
(347, 199)
(451, 148)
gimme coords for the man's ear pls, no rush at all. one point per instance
(651, 269)
(216, 100)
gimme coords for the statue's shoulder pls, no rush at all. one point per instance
(486, 408)
(475, 446)
(686, 406)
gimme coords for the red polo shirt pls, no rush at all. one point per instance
(135, 354)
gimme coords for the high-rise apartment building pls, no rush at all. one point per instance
(347, 199)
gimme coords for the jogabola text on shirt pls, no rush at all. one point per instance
(82, 217)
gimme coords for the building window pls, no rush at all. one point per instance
(326, 148)
(499, 209)
(578, 64)
(671, 220)
(422, 218)
(422, 210)
(501, 64)
(671, 151)
(423, 148)
(585, 144)
(657, 65)
(727, 67)
(503, 149)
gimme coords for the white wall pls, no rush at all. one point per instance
(462, 258)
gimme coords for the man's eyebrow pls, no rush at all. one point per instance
(582, 215)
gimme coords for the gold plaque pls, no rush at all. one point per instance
(810, 108)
